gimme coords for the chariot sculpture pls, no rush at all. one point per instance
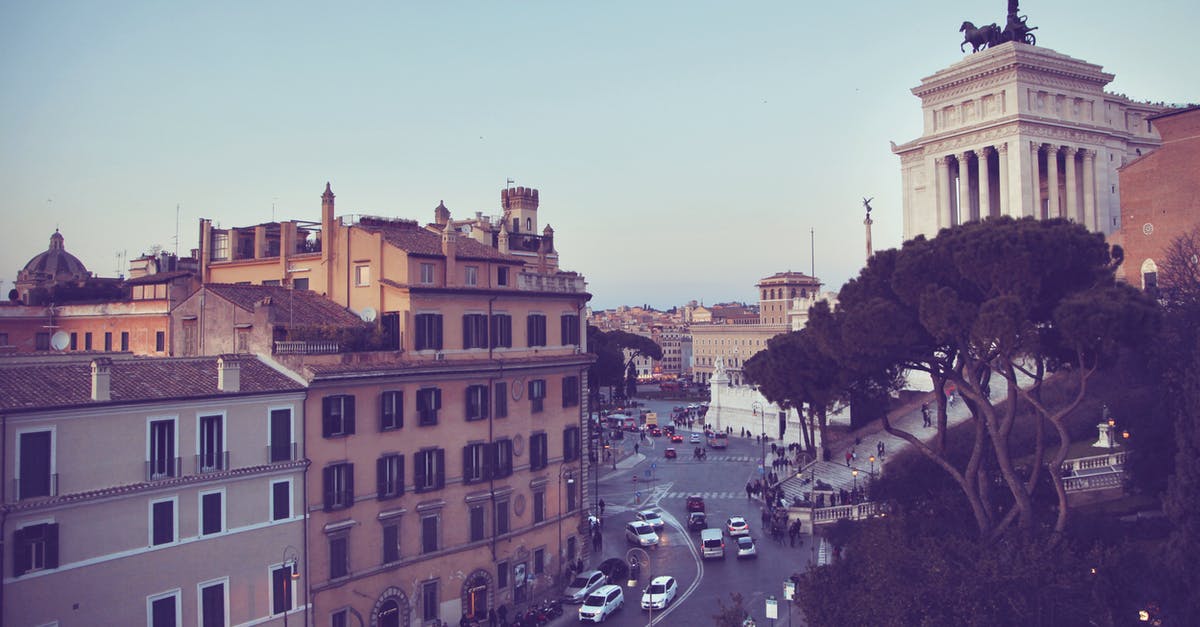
(1015, 29)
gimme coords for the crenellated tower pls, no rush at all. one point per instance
(520, 206)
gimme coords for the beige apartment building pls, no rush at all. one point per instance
(151, 492)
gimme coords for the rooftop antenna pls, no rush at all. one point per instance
(812, 249)
(273, 207)
(176, 230)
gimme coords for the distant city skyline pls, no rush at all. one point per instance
(683, 151)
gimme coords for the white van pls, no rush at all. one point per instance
(712, 544)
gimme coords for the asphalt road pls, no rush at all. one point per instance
(663, 484)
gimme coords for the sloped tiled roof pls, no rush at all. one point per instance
(27, 385)
(158, 277)
(292, 307)
(409, 237)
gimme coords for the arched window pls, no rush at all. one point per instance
(1150, 276)
(529, 224)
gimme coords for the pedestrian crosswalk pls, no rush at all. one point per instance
(719, 458)
(706, 495)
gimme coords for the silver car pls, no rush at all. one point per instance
(583, 584)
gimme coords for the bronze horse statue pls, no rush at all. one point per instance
(979, 37)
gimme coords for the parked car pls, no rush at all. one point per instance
(615, 570)
(737, 526)
(584, 584)
(652, 518)
(659, 593)
(670, 453)
(601, 603)
(745, 547)
(695, 503)
(641, 534)
(697, 521)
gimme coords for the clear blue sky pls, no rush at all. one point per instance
(683, 149)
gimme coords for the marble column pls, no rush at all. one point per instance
(1036, 207)
(985, 187)
(1002, 180)
(964, 187)
(1073, 212)
(1089, 189)
(943, 187)
(1052, 207)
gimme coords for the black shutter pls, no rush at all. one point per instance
(399, 475)
(564, 329)
(349, 485)
(440, 457)
(437, 398)
(20, 551)
(328, 485)
(489, 457)
(437, 325)
(466, 462)
(494, 323)
(529, 328)
(484, 401)
(482, 325)
(326, 412)
(348, 409)
(381, 478)
(421, 478)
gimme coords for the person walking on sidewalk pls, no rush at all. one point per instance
(925, 415)
(879, 447)
(849, 456)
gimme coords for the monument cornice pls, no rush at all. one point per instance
(1013, 56)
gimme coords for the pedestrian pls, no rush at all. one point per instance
(635, 450)
(749, 489)
(601, 504)
(925, 415)
(879, 447)
(849, 455)
(492, 618)
(597, 541)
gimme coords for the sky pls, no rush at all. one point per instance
(683, 150)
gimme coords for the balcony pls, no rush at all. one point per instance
(563, 283)
(304, 347)
(159, 469)
(281, 453)
(32, 489)
(212, 462)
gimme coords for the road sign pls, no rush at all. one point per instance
(789, 590)
(772, 608)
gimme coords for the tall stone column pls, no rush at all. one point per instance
(1053, 208)
(943, 191)
(964, 187)
(1002, 181)
(985, 187)
(1089, 190)
(1073, 212)
(1036, 208)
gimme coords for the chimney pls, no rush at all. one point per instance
(229, 374)
(101, 379)
(449, 249)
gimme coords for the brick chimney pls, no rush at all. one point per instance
(101, 379)
(229, 374)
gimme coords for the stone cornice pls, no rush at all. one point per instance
(1028, 60)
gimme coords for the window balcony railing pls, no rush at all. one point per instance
(159, 469)
(281, 453)
(302, 347)
(33, 490)
(212, 462)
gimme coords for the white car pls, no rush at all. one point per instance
(652, 518)
(745, 547)
(583, 584)
(599, 604)
(696, 439)
(659, 593)
(737, 526)
(641, 534)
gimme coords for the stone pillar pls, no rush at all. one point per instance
(1073, 213)
(943, 191)
(1036, 180)
(1002, 180)
(985, 187)
(1052, 208)
(1089, 189)
(964, 187)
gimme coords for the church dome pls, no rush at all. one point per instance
(55, 264)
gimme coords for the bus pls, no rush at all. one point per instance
(718, 439)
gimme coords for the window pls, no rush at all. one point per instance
(281, 500)
(571, 444)
(538, 452)
(212, 512)
(211, 443)
(429, 533)
(300, 284)
(280, 448)
(162, 522)
(338, 484)
(243, 340)
(389, 476)
(337, 415)
(572, 493)
(429, 469)
(87, 341)
(35, 470)
(475, 331)
(472, 275)
(429, 600)
(428, 332)
(502, 575)
(502, 276)
(160, 341)
(162, 610)
(427, 274)
(535, 329)
(281, 589)
(501, 399)
(477, 402)
(429, 401)
(475, 463)
(539, 561)
(570, 329)
(107, 342)
(362, 275)
(339, 556)
(501, 330)
(124, 341)
(476, 522)
(502, 464)
(570, 391)
(35, 548)
(391, 541)
(161, 460)
(41, 341)
(213, 605)
(391, 410)
(501, 517)
(340, 618)
(74, 341)
(539, 506)
(537, 394)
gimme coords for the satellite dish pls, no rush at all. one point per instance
(368, 314)
(60, 340)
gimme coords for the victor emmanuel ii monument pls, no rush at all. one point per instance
(1021, 130)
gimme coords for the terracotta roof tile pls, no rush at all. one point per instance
(292, 307)
(411, 238)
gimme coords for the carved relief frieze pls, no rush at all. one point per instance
(985, 137)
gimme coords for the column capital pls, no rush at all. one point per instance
(1002, 148)
(1037, 146)
(942, 160)
(1087, 153)
(986, 150)
(1071, 150)
(964, 155)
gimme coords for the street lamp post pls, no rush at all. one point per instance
(638, 558)
(291, 562)
(854, 473)
(872, 460)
